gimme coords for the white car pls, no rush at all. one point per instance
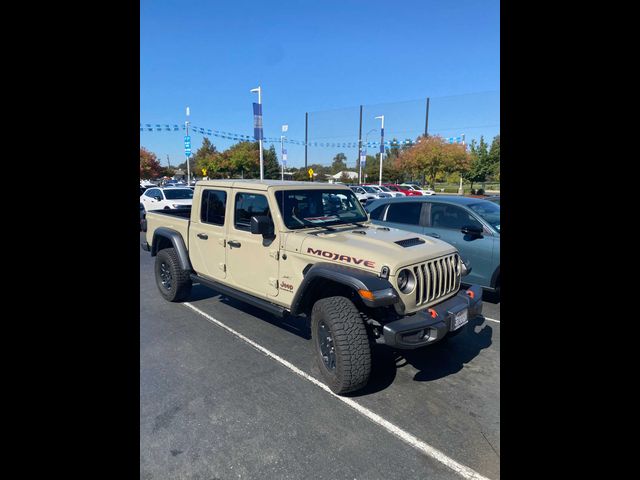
(410, 186)
(382, 189)
(166, 198)
(362, 195)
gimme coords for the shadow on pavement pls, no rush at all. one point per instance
(444, 358)
(296, 325)
(448, 356)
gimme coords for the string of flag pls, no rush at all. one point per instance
(208, 132)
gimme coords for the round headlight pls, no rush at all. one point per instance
(406, 281)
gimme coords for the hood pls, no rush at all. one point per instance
(373, 249)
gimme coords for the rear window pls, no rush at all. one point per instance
(178, 193)
(377, 212)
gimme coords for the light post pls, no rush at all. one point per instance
(188, 156)
(461, 189)
(366, 140)
(283, 152)
(381, 147)
(259, 127)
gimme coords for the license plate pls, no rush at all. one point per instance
(460, 319)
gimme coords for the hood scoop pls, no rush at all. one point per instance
(410, 242)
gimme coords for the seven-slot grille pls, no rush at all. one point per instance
(437, 278)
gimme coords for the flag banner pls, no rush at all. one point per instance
(257, 121)
(382, 140)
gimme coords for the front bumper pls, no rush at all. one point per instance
(422, 329)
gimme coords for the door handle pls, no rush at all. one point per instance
(203, 236)
(434, 235)
(233, 243)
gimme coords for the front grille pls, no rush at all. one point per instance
(437, 278)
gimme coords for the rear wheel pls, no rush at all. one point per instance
(341, 344)
(173, 282)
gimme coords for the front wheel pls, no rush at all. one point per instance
(341, 344)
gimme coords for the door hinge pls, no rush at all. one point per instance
(275, 254)
(222, 267)
(273, 282)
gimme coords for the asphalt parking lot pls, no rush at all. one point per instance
(213, 407)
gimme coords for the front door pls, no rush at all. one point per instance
(207, 234)
(446, 222)
(252, 260)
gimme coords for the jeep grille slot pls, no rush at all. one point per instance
(410, 242)
(437, 278)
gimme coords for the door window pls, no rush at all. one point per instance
(405, 212)
(213, 206)
(247, 206)
(451, 216)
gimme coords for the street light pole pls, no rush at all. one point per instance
(461, 188)
(366, 141)
(259, 90)
(381, 147)
(188, 171)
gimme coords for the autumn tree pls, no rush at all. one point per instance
(432, 157)
(149, 164)
(481, 165)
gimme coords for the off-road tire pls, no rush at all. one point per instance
(350, 342)
(179, 286)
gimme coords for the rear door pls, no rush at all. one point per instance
(252, 260)
(207, 233)
(405, 216)
(446, 221)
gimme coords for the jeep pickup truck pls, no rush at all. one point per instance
(298, 248)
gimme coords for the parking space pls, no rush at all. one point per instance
(214, 406)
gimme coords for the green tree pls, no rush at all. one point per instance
(272, 169)
(494, 157)
(481, 165)
(339, 163)
(149, 164)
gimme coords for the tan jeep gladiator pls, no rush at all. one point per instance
(299, 248)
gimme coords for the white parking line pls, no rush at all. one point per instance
(491, 319)
(412, 440)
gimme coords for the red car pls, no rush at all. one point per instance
(398, 188)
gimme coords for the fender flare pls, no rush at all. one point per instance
(494, 277)
(178, 243)
(348, 276)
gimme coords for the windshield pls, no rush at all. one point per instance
(489, 211)
(178, 194)
(384, 189)
(369, 189)
(315, 208)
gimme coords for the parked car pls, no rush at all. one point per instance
(362, 195)
(494, 198)
(143, 214)
(472, 225)
(413, 186)
(383, 192)
(399, 188)
(377, 191)
(167, 198)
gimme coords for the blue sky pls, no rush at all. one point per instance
(323, 57)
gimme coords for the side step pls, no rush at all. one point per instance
(243, 297)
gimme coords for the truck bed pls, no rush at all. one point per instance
(175, 219)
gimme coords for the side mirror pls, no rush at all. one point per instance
(158, 198)
(472, 230)
(261, 224)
